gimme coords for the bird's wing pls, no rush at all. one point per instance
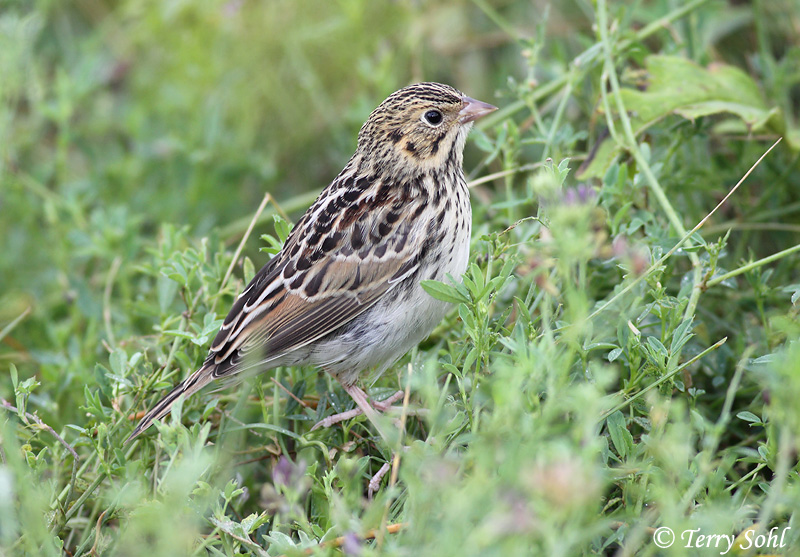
(341, 258)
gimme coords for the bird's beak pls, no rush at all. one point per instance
(472, 110)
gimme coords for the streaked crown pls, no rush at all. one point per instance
(424, 124)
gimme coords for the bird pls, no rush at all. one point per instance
(344, 293)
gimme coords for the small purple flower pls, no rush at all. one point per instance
(285, 472)
(580, 195)
(351, 545)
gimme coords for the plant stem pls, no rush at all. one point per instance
(631, 145)
(662, 379)
(583, 57)
(752, 265)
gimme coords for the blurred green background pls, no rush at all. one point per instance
(116, 117)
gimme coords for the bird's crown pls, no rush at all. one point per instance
(417, 124)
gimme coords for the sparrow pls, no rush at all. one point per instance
(344, 293)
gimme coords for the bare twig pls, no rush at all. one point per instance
(299, 401)
(502, 173)
(93, 551)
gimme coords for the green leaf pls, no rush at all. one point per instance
(248, 271)
(282, 228)
(523, 310)
(749, 417)
(679, 86)
(166, 289)
(470, 360)
(614, 354)
(443, 292)
(101, 376)
(482, 141)
(681, 335)
(620, 436)
(657, 348)
(118, 360)
(753, 117)
(469, 320)
(477, 277)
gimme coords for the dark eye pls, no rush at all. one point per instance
(433, 117)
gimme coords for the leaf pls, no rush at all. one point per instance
(468, 319)
(679, 86)
(119, 361)
(282, 228)
(469, 361)
(749, 417)
(248, 271)
(482, 141)
(101, 377)
(614, 354)
(166, 288)
(478, 278)
(443, 292)
(657, 347)
(795, 290)
(681, 335)
(620, 436)
(253, 521)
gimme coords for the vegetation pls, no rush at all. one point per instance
(610, 368)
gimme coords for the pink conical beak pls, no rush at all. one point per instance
(473, 109)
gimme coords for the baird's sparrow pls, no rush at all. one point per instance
(344, 293)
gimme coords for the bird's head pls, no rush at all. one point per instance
(422, 126)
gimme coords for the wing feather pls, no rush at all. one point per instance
(327, 274)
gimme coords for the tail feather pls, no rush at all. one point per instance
(191, 385)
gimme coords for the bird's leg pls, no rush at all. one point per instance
(375, 481)
(364, 407)
(385, 405)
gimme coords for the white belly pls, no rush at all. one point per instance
(398, 322)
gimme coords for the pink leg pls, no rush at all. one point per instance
(334, 419)
(364, 407)
(375, 481)
(385, 405)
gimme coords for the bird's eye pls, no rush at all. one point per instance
(432, 117)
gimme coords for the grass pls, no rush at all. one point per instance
(623, 353)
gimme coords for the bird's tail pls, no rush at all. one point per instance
(191, 385)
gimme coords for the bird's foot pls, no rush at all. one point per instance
(375, 481)
(363, 407)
